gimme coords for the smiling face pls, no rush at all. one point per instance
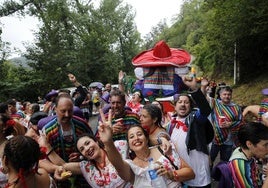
(88, 148)
(183, 106)
(137, 140)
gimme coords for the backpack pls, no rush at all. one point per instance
(222, 173)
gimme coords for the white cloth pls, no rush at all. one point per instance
(142, 177)
(105, 178)
(196, 159)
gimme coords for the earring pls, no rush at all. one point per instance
(4, 169)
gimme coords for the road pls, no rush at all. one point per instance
(93, 121)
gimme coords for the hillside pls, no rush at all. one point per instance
(250, 93)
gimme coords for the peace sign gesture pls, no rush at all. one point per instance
(105, 127)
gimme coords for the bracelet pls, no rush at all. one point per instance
(50, 152)
(175, 175)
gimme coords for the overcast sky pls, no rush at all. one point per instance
(148, 14)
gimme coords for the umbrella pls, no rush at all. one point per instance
(96, 84)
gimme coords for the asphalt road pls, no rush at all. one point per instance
(93, 121)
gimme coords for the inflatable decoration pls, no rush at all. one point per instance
(159, 70)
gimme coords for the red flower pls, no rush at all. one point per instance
(43, 151)
(10, 123)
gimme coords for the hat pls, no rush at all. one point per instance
(105, 97)
(78, 112)
(52, 93)
(265, 91)
(37, 116)
(162, 55)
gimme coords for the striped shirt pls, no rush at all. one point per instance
(129, 118)
(232, 113)
(62, 146)
(263, 109)
(244, 171)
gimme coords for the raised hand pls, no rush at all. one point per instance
(191, 83)
(105, 127)
(204, 82)
(121, 75)
(72, 78)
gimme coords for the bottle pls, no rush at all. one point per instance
(157, 181)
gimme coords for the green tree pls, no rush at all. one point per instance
(94, 43)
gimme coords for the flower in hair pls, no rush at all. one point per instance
(43, 151)
(10, 123)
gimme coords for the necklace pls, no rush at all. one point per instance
(151, 132)
(103, 163)
(145, 160)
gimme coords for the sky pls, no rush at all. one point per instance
(148, 14)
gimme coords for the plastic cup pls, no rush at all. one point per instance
(222, 120)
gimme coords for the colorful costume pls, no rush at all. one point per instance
(244, 171)
(159, 70)
(232, 113)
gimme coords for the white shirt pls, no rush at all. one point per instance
(198, 161)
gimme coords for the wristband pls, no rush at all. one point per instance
(50, 152)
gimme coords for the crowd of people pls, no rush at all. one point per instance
(57, 147)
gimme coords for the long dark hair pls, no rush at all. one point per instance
(101, 145)
(253, 132)
(23, 153)
(132, 154)
(155, 112)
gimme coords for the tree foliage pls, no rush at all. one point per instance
(92, 42)
(96, 42)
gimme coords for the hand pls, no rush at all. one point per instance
(225, 124)
(118, 128)
(166, 146)
(162, 170)
(121, 75)
(105, 128)
(59, 173)
(42, 140)
(74, 157)
(204, 82)
(72, 78)
(191, 83)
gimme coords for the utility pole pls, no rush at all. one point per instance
(235, 65)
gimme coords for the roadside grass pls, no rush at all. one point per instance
(250, 93)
